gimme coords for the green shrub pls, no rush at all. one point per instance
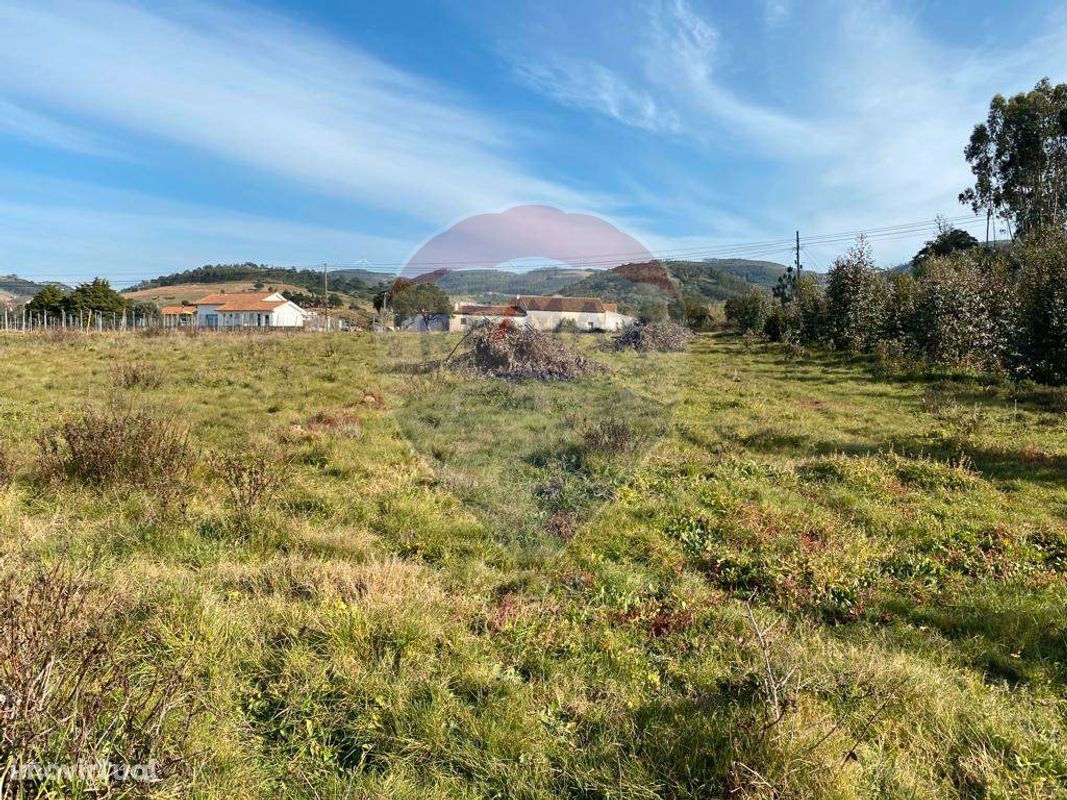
(856, 298)
(963, 312)
(749, 311)
(1042, 292)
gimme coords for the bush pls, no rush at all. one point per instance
(963, 312)
(749, 311)
(69, 695)
(119, 445)
(1042, 317)
(855, 300)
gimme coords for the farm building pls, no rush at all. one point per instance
(545, 313)
(248, 310)
(179, 316)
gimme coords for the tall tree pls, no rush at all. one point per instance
(1019, 160)
(50, 300)
(419, 299)
(96, 296)
(948, 240)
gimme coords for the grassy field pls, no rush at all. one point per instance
(733, 572)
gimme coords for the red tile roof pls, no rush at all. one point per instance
(173, 311)
(491, 311)
(221, 298)
(252, 305)
(589, 305)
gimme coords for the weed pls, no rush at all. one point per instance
(7, 466)
(137, 375)
(252, 480)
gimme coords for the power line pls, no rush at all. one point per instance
(751, 250)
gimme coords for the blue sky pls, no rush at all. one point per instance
(146, 137)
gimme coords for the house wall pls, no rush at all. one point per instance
(205, 315)
(464, 322)
(287, 316)
(614, 321)
(549, 320)
(420, 324)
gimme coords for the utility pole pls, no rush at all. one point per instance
(798, 254)
(326, 294)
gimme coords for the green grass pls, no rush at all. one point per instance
(472, 588)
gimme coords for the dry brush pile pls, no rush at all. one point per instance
(659, 337)
(507, 351)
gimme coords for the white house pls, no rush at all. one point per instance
(587, 313)
(248, 310)
(545, 314)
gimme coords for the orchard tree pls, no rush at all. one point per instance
(1019, 160)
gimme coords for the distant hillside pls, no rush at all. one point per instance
(366, 276)
(758, 273)
(548, 280)
(712, 281)
(13, 287)
(483, 284)
(308, 279)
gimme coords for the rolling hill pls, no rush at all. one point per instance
(16, 289)
(307, 279)
(711, 281)
(484, 283)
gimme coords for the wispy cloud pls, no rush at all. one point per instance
(776, 12)
(865, 121)
(40, 129)
(264, 92)
(581, 83)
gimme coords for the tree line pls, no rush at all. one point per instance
(959, 304)
(97, 296)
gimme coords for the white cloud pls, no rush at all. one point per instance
(265, 92)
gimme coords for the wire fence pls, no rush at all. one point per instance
(89, 321)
